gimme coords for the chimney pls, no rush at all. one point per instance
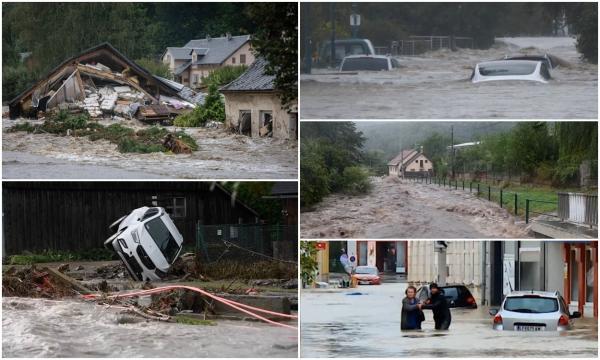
(228, 36)
(421, 149)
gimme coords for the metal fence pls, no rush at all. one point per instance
(573, 207)
(241, 242)
(578, 208)
(416, 45)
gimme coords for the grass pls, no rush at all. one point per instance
(127, 140)
(544, 198)
(228, 269)
(188, 320)
(47, 256)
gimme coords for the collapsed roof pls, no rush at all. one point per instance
(100, 64)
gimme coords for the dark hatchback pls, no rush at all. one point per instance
(457, 296)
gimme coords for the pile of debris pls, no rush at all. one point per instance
(34, 282)
(103, 82)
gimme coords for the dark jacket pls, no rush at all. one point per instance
(441, 310)
(411, 309)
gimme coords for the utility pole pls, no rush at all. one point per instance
(332, 46)
(354, 21)
(452, 149)
(440, 247)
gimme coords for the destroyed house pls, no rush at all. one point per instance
(101, 80)
(75, 216)
(198, 58)
(253, 106)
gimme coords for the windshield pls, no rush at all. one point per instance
(365, 63)
(531, 304)
(366, 270)
(163, 238)
(451, 293)
(506, 69)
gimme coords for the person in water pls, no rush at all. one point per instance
(439, 306)
(412, 316)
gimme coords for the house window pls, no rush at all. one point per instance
(242, 58)
(233, 60)
(417, 161)
(425, 161)
(195, 78)
(176, 207)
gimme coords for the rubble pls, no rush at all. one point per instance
(34, 282)
(104, 83)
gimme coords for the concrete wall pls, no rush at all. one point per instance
(256, 102)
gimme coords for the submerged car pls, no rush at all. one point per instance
(367, 275)
(147, 241)
(533, 311)
(527, 70)
(368, 63)
(343, 48)
(457, 296)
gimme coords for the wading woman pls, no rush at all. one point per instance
(412, 316)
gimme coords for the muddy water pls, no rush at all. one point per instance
(407, 210)
(48, 328)
(436, 85)
(221, 155)
(334, 324)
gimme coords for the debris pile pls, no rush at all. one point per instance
(33, 282)
(103, 82)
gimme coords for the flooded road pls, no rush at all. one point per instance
(397, 209)
(436, 85)
(336, 324)
(49, 328)
(221, 155)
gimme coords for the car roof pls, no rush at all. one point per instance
(366, 56)
(508, 62)
(534, 292)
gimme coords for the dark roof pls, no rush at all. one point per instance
(105, 45)
(253, 79)
(282, 190)
(213, 50)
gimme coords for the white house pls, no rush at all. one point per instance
(410, 162)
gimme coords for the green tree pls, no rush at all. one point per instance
(276, 39)
(156, 67)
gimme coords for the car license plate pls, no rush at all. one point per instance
(363, 282)
(529, 328)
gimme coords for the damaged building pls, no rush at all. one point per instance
(253, 106)
(103, 82)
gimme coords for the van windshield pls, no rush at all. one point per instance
(163, 238)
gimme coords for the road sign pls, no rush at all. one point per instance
(352, 258)
(354, 20)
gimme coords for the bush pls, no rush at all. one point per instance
(224, 75)
(314, 176)
(213, 109)
(15, 79)
(156, 67)
(355, 180)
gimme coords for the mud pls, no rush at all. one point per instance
(437, 85)
(220, 155)
(406, 210)
(48, 328)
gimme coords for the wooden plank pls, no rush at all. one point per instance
(67, 280)
(110, 76)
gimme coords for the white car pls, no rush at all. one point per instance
(528, 70)
(533, 311)
(147, 242)
(368, 63)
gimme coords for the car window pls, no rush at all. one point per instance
(162, 237)
(544, 71)
(531, 304)
(365, 64)
(507, 68)
(451, 293)
(356, 49)
(150, 213)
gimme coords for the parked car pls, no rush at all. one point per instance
(457, 296)
(546, 59)
(533, 311)
(343, 48)
(527, 70)
(147, 242)
(368, 63)
(367, 275)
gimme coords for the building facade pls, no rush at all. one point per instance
(198, 58)
(411, 162)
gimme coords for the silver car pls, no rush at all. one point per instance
(533, 311)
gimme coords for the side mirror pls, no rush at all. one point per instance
(493, 312)
(575, 315)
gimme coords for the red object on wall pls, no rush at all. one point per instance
(321, 245)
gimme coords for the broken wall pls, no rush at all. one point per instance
(256, 102)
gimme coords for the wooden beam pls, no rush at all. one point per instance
(112, 77)
(67, 280)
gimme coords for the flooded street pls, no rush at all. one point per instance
(220, 155)
(49, 328)
(335, 323)
(437, 85)
(407, 210)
